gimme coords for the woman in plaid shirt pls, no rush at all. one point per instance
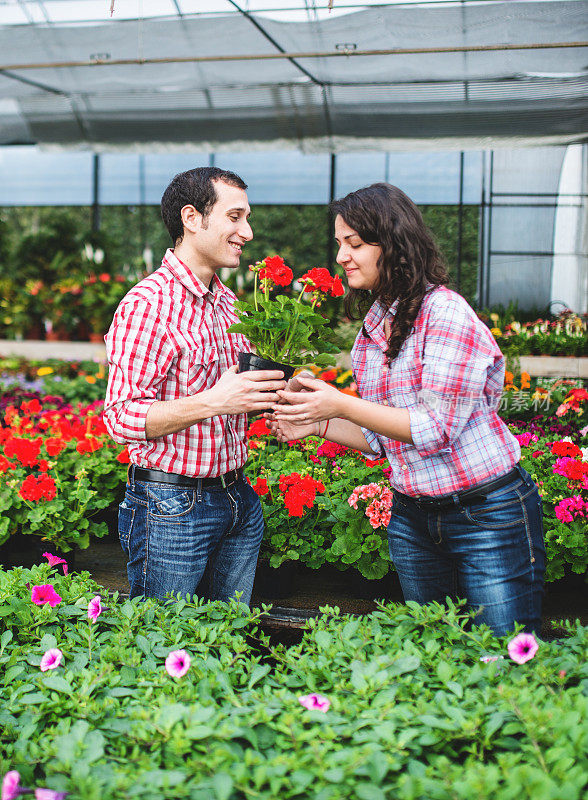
(467, 519)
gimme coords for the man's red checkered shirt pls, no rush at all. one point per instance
(169, 340)
(449, 374)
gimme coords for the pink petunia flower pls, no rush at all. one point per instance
(177, 663)
(49, 794)
(523, 647)
(315, 702)
(54, 561)
(51, 659)
(45, 593)
(11, 785)
(94, 608)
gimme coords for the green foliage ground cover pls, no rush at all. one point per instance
(413, 711)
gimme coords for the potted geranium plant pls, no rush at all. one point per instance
(287, 332)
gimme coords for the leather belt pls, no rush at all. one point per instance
(158, 476)
(475, 494)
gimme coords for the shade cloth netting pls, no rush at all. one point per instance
(330, 101)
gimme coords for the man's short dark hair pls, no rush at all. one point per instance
(193, 188)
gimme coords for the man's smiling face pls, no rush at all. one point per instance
(221, 235)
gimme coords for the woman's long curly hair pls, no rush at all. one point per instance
(410, 265)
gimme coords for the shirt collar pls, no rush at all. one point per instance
(374, 322)
(192, 283)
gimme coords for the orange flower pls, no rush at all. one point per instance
(508, 378)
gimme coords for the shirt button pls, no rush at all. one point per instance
(385, 403)
(404, 467)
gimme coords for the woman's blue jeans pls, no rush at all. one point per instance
(491, 553)
(171, 533)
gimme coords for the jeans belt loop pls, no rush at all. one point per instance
(199, 491)
(223, 481)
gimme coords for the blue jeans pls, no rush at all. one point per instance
(171, 534)
(491, 553)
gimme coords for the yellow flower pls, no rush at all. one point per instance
(496, 331)
(343, 376)
(44, 371)
(494, 317)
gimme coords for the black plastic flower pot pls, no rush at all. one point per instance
(275, 583)
(251, 361)
(387, 588)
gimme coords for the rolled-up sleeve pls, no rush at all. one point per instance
(139, 357)
(455, 372)
(374, 442)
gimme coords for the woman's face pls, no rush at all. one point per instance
(358, 258)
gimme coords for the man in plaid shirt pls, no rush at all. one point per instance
(176, 399)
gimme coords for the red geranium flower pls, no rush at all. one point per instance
(25, 450)
(31, 406)
(319, 279)
(299, 492)
(54, 446)
(337, 289)
(331, 449)
(35, 489)
(577, 395)
(570, 468)
(260, 487)
(123, 456)
(89, 445)
(276, 271)
(259, 428)
(566, 449)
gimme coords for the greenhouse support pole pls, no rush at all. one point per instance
(489, 228)
(96, 192)
(482, 235)
(330, 239)
(459, 224)
(142, 227)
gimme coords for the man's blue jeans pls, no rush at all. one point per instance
(489, 552)
(171, 533)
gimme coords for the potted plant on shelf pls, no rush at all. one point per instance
(100, 298)
(286, 331)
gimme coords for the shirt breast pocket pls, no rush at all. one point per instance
(203, 369)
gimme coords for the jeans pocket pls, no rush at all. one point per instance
(170, 503)
(126, 517)
(508, 513)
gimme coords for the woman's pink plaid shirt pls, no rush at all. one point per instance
(449, 375)
(168, 340)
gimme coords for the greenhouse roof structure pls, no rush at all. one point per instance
(242, 74)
